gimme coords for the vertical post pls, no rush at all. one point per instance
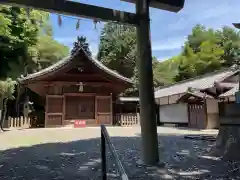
(146, 90)
(26, 106)
(103, 156)
(238, 80)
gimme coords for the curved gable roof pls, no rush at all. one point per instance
(62, 63)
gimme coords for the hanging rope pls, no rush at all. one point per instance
(59, 20)
(95, 21)
(78, 24)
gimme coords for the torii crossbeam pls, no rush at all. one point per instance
(141, 20)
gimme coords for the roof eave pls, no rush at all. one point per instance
(65, 61)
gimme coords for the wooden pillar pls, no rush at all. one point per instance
(26, 106)
(146, 90)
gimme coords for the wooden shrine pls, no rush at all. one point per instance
(77, 88)
(141, 20)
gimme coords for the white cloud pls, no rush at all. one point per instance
(94, 49)
(163, 58)
(204, 12)
(168, 44)
(163, 46)
(66, 40)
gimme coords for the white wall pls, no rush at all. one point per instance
(212, 106)
(168, 99)
(174, 113)
(212, 114)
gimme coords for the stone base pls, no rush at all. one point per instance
(157, 165)
(227, 143)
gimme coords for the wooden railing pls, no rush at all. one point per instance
(127, 119)
(17, 122)
(106, 141)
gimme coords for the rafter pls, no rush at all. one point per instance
(77, 9)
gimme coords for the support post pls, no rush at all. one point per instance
(146, 90)
(103, 156)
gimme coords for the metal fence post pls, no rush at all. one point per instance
(103, 155)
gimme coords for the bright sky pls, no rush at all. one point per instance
(168, 30)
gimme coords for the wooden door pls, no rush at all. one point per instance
(197, 116)
(104, 110)
(53, 110)
(81, 107)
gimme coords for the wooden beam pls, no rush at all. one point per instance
(85, 76)
(76, 9)
(79, 94)
(168, 5)
(53, 83)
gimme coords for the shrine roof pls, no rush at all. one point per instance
(62, 63)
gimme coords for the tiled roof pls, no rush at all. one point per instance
(198, 83)
(232, 91)
(194, 94)
(65, 61)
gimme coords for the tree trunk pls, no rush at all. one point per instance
(4, 113)
(228, 143)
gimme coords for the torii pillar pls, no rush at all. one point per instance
(146, 91)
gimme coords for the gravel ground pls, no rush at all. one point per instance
(71, 154)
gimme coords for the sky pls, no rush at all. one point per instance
(168, 30)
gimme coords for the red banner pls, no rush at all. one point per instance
(79, 123)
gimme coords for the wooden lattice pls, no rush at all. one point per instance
(127, 119)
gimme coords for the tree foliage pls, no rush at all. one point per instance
(207, 50)
(118, 51)
(81, 43)
(20, 42)
(49, 51)
(7, 89)
(117, 48)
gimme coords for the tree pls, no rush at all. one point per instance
(207, 59)
(81, 43)
(49, 51)
(198, 36)
(19, 52)
(207, 50)
(117, 48)
(229, 40)
(118, 51)
(165, 71)
(7, 89)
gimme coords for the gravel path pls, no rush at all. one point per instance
(71, 154)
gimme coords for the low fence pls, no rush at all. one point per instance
(17, 122)
(127, 119)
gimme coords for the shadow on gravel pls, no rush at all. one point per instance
(81, 160)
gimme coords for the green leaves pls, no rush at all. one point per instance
(26, 39)
(50, 50)
(118, 51)
(117, 48)
(207, 50)
(7, 88)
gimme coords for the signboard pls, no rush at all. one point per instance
(79, 123)
(237, 96)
